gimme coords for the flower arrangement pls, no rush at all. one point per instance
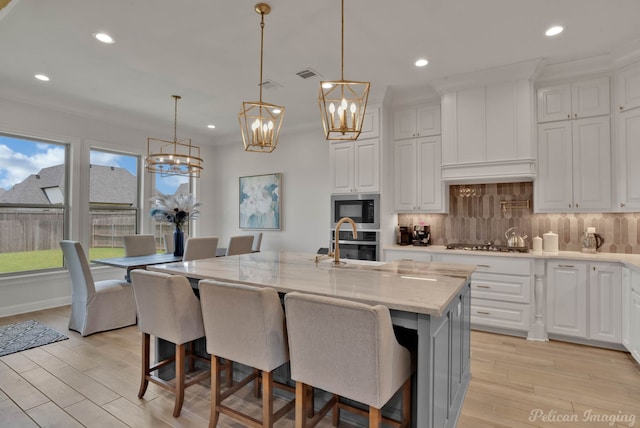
(176, 209)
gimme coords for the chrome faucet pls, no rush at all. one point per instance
(336, 251)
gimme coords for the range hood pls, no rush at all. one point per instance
(513, 170)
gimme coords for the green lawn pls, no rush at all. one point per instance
(35, 260)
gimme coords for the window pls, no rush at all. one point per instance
(169, 185)
(33, 203)
(113, 201)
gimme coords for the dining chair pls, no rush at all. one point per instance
(245, 324)
(139, 245)
(372, 367)
(257, 242)
(96, 305)
(240, 244)
(200, 248)
(168, 309)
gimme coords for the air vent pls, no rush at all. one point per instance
(270, 84)
(307, 73)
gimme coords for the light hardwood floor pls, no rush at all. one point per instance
(93, 382)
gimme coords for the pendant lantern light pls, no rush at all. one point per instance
(343, 103)
(260, 122)
(173, 157)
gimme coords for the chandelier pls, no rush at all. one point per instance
(343, 103)
(260, 122)
(173, 157)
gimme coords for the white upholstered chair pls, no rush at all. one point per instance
(348, 349)
(239, 245)
(139, 245)
(257, 242)
(200, 248)
(96, 306)
(168, 309)
(245, 324)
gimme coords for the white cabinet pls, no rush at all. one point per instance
(584, 300)
(370, 123)
(605, 302)
(406, 255)
(567, 298)
(577, 100)
(501, 291)
(486, 132)
(627, 160)
(355, 166)
(626, 307)
(574, 166)
(634, 316)
(627, 83)
(413, 122)
(417, 183)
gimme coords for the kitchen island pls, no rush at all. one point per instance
(429, 301)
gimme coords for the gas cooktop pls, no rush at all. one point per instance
(488, 247)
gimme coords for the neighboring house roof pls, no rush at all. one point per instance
(108, 185)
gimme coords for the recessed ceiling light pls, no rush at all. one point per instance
(554, 31)
(421, 62)
(211, 126)
(42, 77)
(104, 38)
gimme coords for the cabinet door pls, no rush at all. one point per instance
(370, 124)
(404, 171)
(591, 164)
(428, 121)
(590, 98)
(628, 87)
(626, 307)
(628, 159)
(404, 123)
(554, 188)
(567, 298)
(415, 256)
(367, 165)
(605, 301)
(554, 103)
(635, 325)
(429, 188)
(341, 167)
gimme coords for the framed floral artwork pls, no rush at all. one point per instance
(260, 201)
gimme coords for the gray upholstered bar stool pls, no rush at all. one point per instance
(245, 324)
(350, 350)
(168, 309)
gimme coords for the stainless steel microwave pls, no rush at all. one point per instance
(362, 208)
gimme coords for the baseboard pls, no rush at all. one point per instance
(34, 306)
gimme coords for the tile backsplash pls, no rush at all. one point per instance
(476, 215)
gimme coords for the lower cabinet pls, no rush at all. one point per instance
(584, 300)
(501, 291)
(634, 316)
(416, 256)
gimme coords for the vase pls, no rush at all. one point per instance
(178, 242)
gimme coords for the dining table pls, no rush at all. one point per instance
(429, 304)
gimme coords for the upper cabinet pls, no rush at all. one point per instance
(355, 165)
(487, 132)
(577, 100)
(413, 122)
(628, 87)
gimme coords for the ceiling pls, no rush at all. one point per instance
(209, 51)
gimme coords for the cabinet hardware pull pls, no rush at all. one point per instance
(621, 204)
(621, 108)
(483, 286)
(566, 266)
(483, 313)
(577, 205)
(568, 116)
(484, 266)
(569, 205)
(575, 115)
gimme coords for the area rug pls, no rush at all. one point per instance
(26, 335)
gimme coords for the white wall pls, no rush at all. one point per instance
(303, 160)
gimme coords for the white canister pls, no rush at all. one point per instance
(550, 242)
(536, 246)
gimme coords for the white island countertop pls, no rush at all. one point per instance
(418, 287)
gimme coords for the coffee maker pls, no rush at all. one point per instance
(421, 235)
(404, 236)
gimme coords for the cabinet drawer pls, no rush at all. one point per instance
(416, 256)
(510, 288)
(513, 316)
(493, 264)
